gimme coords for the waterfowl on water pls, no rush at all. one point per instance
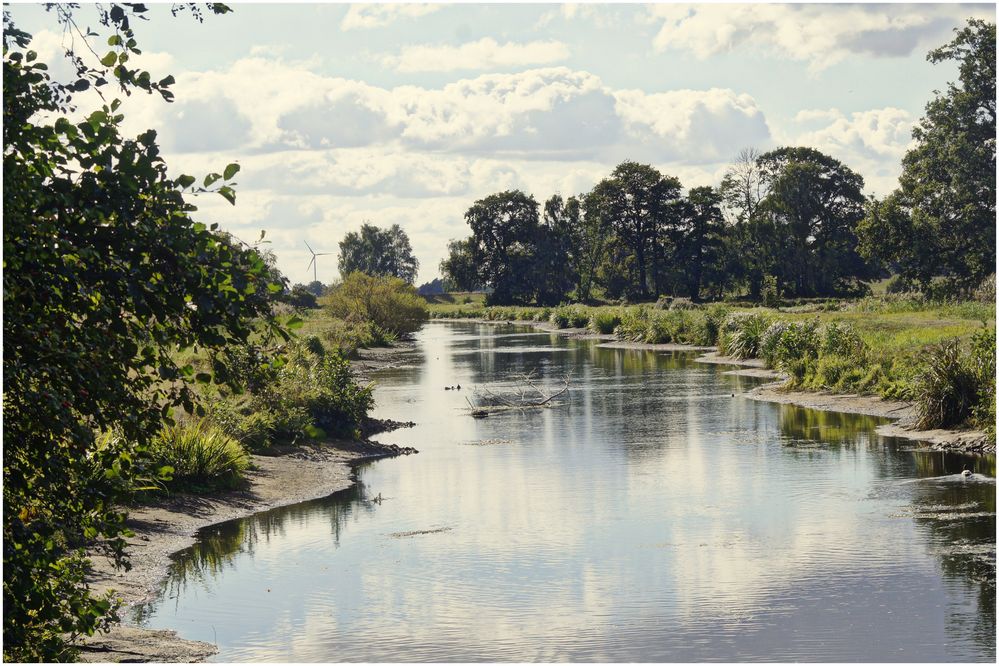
(966, 472)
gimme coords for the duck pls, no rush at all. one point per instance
(447, 388)
(458, 387)
(966, 472)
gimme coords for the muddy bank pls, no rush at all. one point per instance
(903, 415)
(169, 524)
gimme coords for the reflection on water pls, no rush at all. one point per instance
(655, 517)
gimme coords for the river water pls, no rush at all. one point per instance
(653, 517)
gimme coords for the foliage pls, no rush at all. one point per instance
(789, 346)
(947, 388)
(604, 322)
(770, 293)
(570, 316)
(379, 252)
(941, 221)
(201, 455)
(742, 334)
(388, 302)
(106, 275)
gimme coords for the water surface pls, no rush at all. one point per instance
(655, 517)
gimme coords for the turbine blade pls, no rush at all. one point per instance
(323, 254)
(310, 247)
(311, 262)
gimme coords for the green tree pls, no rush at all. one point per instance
(638, 202)
(701, 240)
(941, 221)
(106, 274)
(815, 202)
(375, 251)
(555, 248)
(459, 268)
(504, 244)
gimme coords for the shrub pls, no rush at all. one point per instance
(982, 360)
(683, 303)
(986, 291)
(604, 321)
(200, 455)
(841, 339)
(569, 316)
(743, 334)
(946, 389)
(791, 347)
(707, 326)
(770, 292)
(899, 285)
(390, 303)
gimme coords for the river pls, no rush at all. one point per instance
(656, 515)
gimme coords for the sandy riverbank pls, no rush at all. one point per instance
(902, 413)
(170, 524)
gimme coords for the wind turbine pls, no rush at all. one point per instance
(313, 264)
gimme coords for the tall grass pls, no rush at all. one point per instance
(201, 455)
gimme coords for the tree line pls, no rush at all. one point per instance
(793, 218)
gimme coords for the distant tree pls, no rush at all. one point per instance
(941, 221)
(701, 240)
(815, 202)
(637, 201)
(316, 288)
(432, 288)
(556, 243)
(742, 187)
(591, 240)
(376, 251)
(301, 296)
(505, 229)
(459, 269)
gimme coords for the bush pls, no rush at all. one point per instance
(707, 326)
(947, 389)
(900, 285)
(791, 347)
(742, 334)
(986, 291)
(683, 303)
(603, 321)
(388, 302)
(841, 339)
(200, 455)
(569, 316)
(770, 292)
(982, 360)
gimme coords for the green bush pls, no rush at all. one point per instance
(947, 389)
(604, 321)
(770, 292)
(201, 455)
(791, 347)
(388, 302)
(569, 316)
(707, 325)
(841, 339)
(982, 359)
(742, 334)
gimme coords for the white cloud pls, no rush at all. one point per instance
(361, 17)
(876, 133)
(820, 34)
(484, 54)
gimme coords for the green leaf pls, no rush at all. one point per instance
(109, 59)
(185, 181)
(114, 40)
(294, 322)
(230, 171)
(314, 432)
(203, 377)
(228, 193)
(211, 178)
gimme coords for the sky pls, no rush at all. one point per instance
(406, 114)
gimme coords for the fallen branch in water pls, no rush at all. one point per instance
(527, 396)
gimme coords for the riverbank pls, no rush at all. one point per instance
(170, 523)
(902, 413)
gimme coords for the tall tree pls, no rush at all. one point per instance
(375, 251)
(701, 240)
(504, 244)
(941, 221)
(556, 245)
(637, 201)
(815, 202)
(106, 275)
(459, 268)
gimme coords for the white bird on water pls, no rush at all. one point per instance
(966, 472)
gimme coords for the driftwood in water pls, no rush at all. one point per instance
(526, 396)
